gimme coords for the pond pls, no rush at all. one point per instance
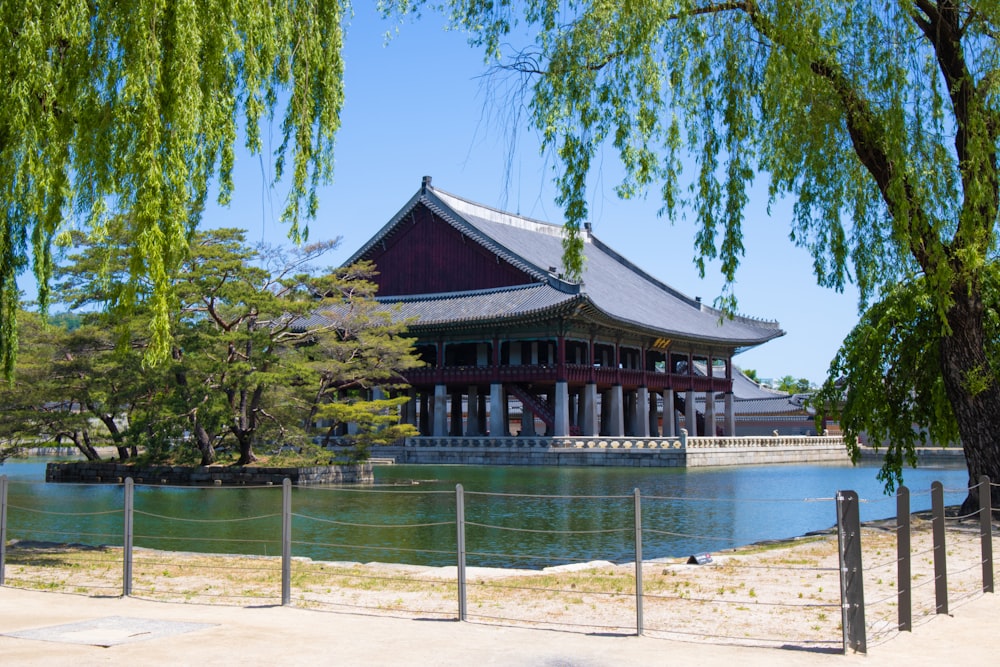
(515, 516)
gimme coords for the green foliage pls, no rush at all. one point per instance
(128, 111)
(851, 109)
(880, 119)
(886, 380)
(263, 342)
(790, 385)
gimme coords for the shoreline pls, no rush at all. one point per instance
(777, 592)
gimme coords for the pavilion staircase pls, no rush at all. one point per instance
(540, 406)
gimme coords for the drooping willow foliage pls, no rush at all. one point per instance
(879, 118)
(130, 109)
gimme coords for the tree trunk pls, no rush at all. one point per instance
(82, 442)
(204, 442)
(246, 448)
(973, 391)
(116, 435)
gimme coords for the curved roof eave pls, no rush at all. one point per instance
(738, 344)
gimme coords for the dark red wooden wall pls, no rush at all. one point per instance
(425, 255)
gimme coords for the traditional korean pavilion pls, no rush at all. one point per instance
(513, 347)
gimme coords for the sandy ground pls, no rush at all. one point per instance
(776, 596)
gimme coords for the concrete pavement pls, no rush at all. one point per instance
(217, 635)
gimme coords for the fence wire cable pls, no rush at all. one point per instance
(323, 489)
(691, 536)
(203, 539)
(189, 520)
(550, 532)
(751, 601)
(892, 597)
(373, 577)
(549, 621)
(31, 531)
(373, 525)
(139, 564)
(544, 497)
(741, 500)
(890, 563)
(385, 611)
(961, 517)
(369, 546)
(563, 560)
(38, 511)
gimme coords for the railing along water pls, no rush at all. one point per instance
(626, 593)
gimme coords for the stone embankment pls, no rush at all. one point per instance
(96, 472)
(657, 452)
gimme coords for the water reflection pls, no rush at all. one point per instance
(523, 517)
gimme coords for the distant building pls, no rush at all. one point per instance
(762, 410)
(512, 346)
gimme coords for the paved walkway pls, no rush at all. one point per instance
(158, 633)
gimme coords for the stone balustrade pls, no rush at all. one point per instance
(619, 451)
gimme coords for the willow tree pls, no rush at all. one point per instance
(132, 110)
(880, 119)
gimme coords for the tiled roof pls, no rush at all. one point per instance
(751, 398)
(519, 301)
(610, 283)
(773, 405)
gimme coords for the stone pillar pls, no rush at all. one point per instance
(603, 423)
(527, 421)
(472, 419)
(574, 408)
(482, 422)
(669, 416)
(629, 412)
(498, 410)
(590, 425)
(642, 413)
(710, 414)
(440, 411)
(730, 416)
(616, 417)
(456, 414)
(654, 425)
(426, 426)
(560, 425)
(409, 409)
(690, 414)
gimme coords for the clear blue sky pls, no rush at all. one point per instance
(417, 106)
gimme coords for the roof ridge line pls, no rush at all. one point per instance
(499, 211)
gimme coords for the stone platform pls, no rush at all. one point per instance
(657, 452)
(98, 472)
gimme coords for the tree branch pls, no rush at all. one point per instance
(940, 26)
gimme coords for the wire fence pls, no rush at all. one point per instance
(817, 592)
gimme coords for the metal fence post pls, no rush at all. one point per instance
(985, 532)
(3, 526)
(904, 578)
(127, 535)
(852, 594)
(460, 549)
(286, 541)
(940, 554)
(638, 564)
